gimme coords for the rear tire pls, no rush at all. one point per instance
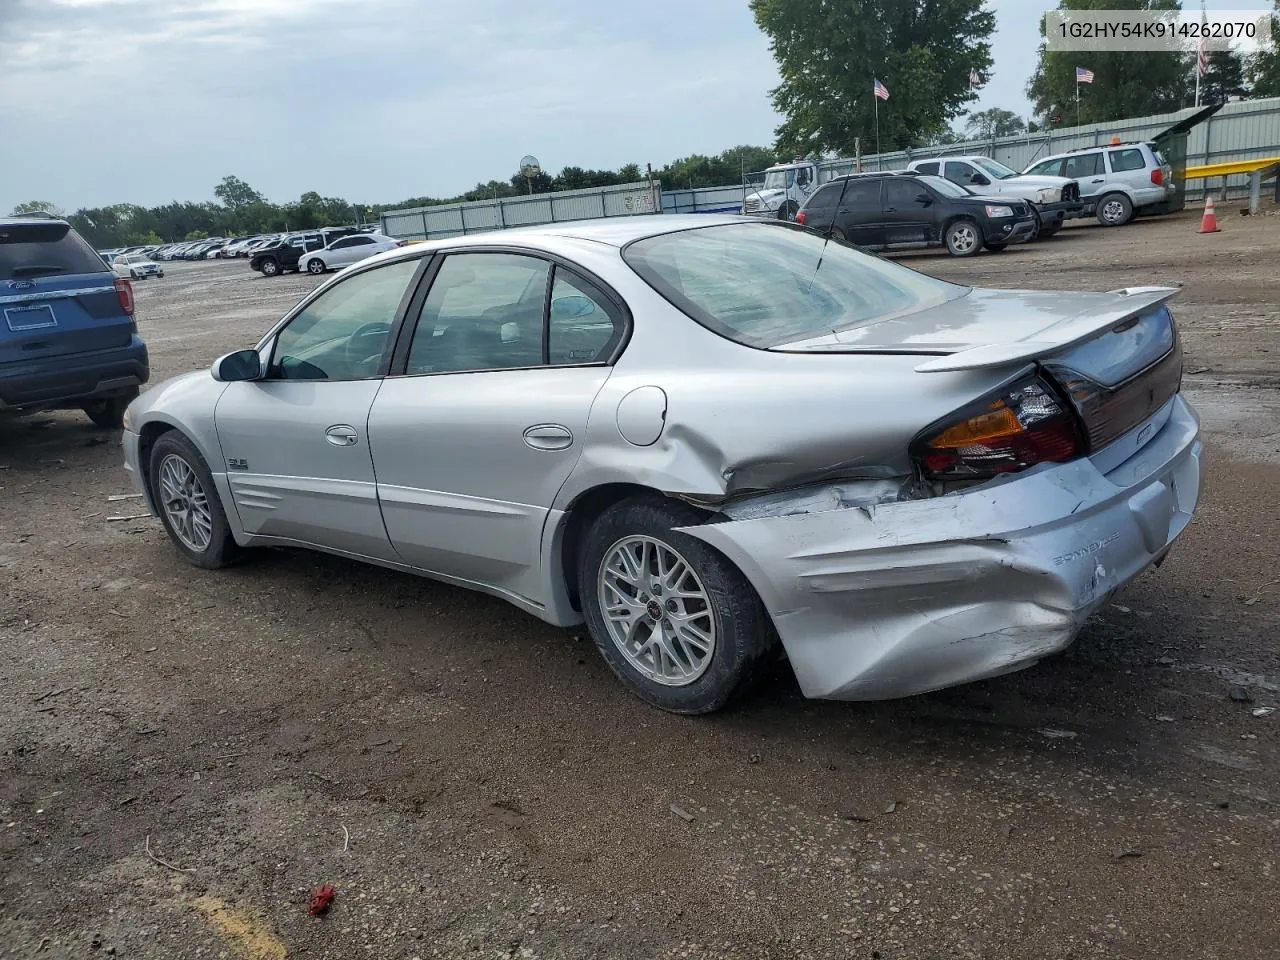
(186, 499)
(788, 210)
(315, 266)
(838, 234)
(697, 641)
(963, 238)
(108, 413)
(1114, 210)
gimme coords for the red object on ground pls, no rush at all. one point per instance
(1209, 222)
(322, 900)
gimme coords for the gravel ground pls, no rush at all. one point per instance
(476, 784)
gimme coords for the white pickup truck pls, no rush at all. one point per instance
(1052, 199)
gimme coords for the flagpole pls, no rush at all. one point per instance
(1077, 99)
(879, 159)
(1197, 79)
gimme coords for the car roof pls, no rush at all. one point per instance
(1100, 146)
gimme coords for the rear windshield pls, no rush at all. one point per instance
(764, 285)
(51, 249)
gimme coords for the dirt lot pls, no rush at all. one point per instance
(477, 784)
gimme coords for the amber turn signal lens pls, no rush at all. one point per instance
(986, 426)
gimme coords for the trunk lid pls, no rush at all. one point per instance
(1115, 357)
(57, 296)
(991, 328)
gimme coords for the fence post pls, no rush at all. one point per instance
(604, 211)
(425, 234)
(502, 217)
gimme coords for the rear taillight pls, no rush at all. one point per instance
(1157, 176)
(800, 216)
(1021, 427)
(124, 290)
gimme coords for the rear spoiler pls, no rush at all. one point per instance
(1133, 300)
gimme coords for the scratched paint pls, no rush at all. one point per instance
(241, 929)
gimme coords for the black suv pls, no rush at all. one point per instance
(68, 339)
(284, 254)
(883, 211)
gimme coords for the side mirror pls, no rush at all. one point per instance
(236, 367)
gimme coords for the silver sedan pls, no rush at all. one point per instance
(714, 440)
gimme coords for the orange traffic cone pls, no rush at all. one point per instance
(1209, 222)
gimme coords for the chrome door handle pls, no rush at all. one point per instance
(341, 435)
(548, 436)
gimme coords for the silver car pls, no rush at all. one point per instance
(1117, 182)
(712, 439)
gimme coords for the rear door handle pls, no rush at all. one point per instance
(341, 435)
(548, 436)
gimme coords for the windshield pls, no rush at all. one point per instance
(779, 179)
(945, 187)
(764, 285)
(997, 170)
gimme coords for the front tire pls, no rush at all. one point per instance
(963, 238)
(187, 501)
(315, 266)
(678, 624)
(1114, 210)
(270, 267)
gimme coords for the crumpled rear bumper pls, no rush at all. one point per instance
(901, 598)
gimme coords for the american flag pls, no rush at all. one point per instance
(881, 90)
(974, 79)
(1083, 75)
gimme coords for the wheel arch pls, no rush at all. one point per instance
(567, 538)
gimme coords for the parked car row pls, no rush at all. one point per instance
(214, 248)
(882, 211)
(316, 251)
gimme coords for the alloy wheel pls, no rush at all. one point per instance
(657, 611)
(185, 503)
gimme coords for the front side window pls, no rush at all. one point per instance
(958, 172)
(765, 285)
(901, 195)
(1123, 160)
(483, 312)
(343, 333)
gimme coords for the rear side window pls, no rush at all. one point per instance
(764, 285)
(1122, 160)
(824, 201)
(1085, 165)
(862, 196)
(43, 249)
(931, 167)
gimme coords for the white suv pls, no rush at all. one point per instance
(1117, 182)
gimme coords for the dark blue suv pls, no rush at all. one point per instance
(68, 338)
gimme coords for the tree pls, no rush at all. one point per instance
(1131, 83)
(234, 193)
(1264, 66)
(541, 182)
(829, 51)
(996, 122)
(1224, 78)
(36, 206)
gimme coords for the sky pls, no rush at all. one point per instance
(147, 101)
